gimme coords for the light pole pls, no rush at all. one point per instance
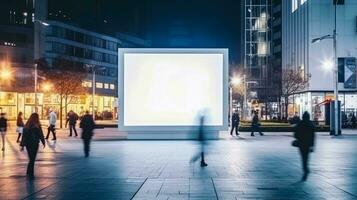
(335, 68)
(37, 53)
(94, 69)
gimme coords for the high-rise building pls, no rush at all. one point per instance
(23, 44)
(262, 80)
(306, 20)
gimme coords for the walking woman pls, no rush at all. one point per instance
(3, 129)
(305, 140)
(31, 137)
(20, 126)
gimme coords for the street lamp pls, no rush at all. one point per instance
(94, 69)
(335, 70)
(37, 37)
(6, 74)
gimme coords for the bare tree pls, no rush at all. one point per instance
(293, 81)
(67, 79)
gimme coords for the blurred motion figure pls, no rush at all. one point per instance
(305, 139)
(202, 142)
(87, 124)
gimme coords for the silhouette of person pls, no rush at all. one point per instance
(52, 124)
(255, 125)
(87, 124)
(201, 138)
(20, 126)
(235, 122)
(31, 137)
(3, 129)
(72, 121)
(305, 137)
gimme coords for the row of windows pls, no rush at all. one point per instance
(99, 85)
(82, 38)
(83, 53)
(111, 72)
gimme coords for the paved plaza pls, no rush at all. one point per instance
(265, 167)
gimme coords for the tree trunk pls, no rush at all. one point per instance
(286, 104)
(60, 113)
(65, 106)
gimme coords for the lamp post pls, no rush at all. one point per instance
(37, 38)
(335, 68)
(94, 69)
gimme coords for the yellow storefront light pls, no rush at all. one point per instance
(5, 72)
(47, 86)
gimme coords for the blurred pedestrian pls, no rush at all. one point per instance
(256, 125)
(20, 126)
(305, 140)
(31, 137)
(353, 121)
(87, 124)
(52, 125)
(72, 121)
(202, 141)
(3, 129)
(235, 122)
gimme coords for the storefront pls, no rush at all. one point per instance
(313, 102)
(11, 103)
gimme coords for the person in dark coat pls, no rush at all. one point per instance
(20, 126)
(31, 137)
(235, 122)
(72, 121)
(3, 129)
(256, 125)
(305, 139)
(87, 124)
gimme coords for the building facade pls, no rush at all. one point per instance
(262, 27)
(305, 20)
(24, 41)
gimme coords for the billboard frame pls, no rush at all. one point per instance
(151, 129)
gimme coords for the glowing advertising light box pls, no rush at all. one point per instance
(167, 89)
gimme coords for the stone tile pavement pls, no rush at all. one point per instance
(238, 168)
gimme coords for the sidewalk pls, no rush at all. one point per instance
(258, 167)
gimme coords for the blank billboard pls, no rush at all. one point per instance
(170, 87)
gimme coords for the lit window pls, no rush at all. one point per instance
(294, 5)
(87, 84)
(99, 85)
(25, 14)
(112, 86)
(106, 86)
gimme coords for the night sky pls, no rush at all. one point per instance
(166, 23)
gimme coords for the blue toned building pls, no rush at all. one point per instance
(305, 20)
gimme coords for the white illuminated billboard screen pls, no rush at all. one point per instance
(171, 88)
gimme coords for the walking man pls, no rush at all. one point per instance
(87, 124)
(256, 125)
(51, 125)
(235, 122)
(305, 139)
(72, 121)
